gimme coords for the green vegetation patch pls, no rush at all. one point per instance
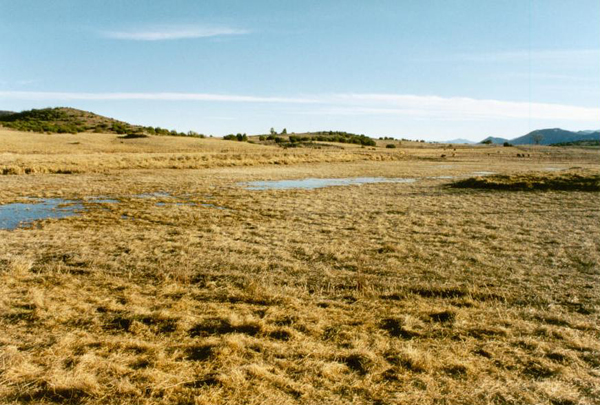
(567, 181)
(45, 120)
(343, 137)
(582, 143)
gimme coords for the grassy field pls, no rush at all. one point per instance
(207, 292)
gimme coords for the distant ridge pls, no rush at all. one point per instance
(3, 113)
(548, 136)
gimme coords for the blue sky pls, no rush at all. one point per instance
(410, 69)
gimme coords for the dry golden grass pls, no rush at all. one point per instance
(566, 180)
(402, 293)
(31, 153)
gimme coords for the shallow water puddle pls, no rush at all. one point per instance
(16, 214)
(483, 173)
(312, 183)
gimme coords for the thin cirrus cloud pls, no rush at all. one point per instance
(401, 105)
(172, 33)
(540, 55)
(522, 55)
(165, 96)
(454, 108)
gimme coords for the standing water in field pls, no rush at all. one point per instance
(312, 183)
(16, 214)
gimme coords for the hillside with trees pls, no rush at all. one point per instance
(71, 120)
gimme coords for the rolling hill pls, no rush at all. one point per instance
(72, 120)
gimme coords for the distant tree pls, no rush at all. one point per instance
(537, 138)
(507, 144)
(273, 132)
(487, 142)
(284, 132)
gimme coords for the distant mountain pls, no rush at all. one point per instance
(549, 136)
(72, 120)
(554, 135)
(494, 140)
(3, 113)
(460, 141)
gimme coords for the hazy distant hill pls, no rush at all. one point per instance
(3, 113)
(494, 140)
(461, 141)
(72, 120)
(554, 135)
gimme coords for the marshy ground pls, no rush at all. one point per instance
(391, 292)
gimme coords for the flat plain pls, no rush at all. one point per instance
(190, 288)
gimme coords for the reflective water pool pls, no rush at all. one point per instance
(17, 214)
(14, 215)
(312, 183)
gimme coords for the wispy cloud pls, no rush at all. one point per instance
(172, 33)
(550, 77)
(401, 105)
(535, 54)
(461, 107)
(521, 55)
(24, 82)
(64, 96)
